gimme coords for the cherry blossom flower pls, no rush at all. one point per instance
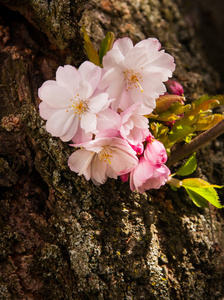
(134, 126)
(146, 176)
(102, 158)
(151, 171)
(155, 152)
(70, 104)
(136, 73)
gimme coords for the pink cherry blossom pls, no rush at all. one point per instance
(134, 126)
(146, 176)
(136, 73)
(102, 158)
(70, 104)
(155, 152)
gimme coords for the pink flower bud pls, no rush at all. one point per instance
(174, 88)
(155, 152)
(125, 177)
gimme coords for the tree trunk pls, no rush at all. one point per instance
(61, 236)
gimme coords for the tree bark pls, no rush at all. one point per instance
(61, 236)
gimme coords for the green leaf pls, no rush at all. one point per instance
(180, 132)
(203, 107)
(177, 108)
(201, 191)
(164, 102)
(208, 122)
(206, 97)
(159, 130)
(189, 167)
(106, 45)
(186, 121)
(163, 117)
(197, 199)
(89, 48)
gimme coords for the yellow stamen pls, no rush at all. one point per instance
(79, 105)
(133, 79)
(105, 155)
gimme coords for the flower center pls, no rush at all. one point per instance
(133, 79)
(79, 105)
(105, 155)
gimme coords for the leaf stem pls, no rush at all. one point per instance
(184, 151)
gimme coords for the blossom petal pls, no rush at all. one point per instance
(151, 43)
(54, 95)
(99, 103)
(141, 174)
(112, 59)
(46, 111)
(88, 122)
(80, 162)
(68, 77)
(113, 77)
(60, 122)
(81, 136)
(115, 89)
(71, 132)
(123, 45)
(91, 73)
(163, 63)
(99, 171)
(135, 59)
(85, 90)
(108, 119)
(128, 112)
(155, 152)
(124, 102)
(156, 183)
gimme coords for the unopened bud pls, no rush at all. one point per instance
(174, 88)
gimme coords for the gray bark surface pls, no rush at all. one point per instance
(61, 236)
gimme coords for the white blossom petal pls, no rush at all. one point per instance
(98, 171)
(112, 59)
(152, 44)
(46, 111)
(99, 103)
(80, 162)
(60, 122)
(82, 136)
(108, 119)
(54, 95)
(135, 59)
(85, 90)
(72, 131)
(88, 122)
(91, 73)
(115, 76)
(123, 45)
(68, 77)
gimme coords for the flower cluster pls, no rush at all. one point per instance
(102, 111)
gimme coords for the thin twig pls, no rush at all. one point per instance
(211, 224)
(196, 143)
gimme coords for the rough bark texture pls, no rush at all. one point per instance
(61, 236)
